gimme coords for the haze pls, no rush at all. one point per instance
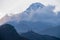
(17, 6)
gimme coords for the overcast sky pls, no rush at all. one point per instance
(16, 6)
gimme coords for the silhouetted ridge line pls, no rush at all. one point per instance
(35, 36)
(8, 32)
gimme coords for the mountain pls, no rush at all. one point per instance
(53, 31)
(38, 27)
(34, 36)
(40, 19)
(44, 13)
(35, 12)
(34, 7)
(29, 11)
(8, 32)
(37, 17)
(25, 26)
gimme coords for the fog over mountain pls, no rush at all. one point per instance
(35, 12)
(37, 17)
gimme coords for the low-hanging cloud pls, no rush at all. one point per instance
(45, 14)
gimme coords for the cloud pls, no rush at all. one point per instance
(44, 14)
(16, 6)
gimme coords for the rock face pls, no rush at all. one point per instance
(7, 32)
(34, 36)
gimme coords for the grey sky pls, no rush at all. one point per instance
(16, 6)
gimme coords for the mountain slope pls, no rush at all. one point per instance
(24, 26)
(53, 31)
(34, 36)
(8, 32)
